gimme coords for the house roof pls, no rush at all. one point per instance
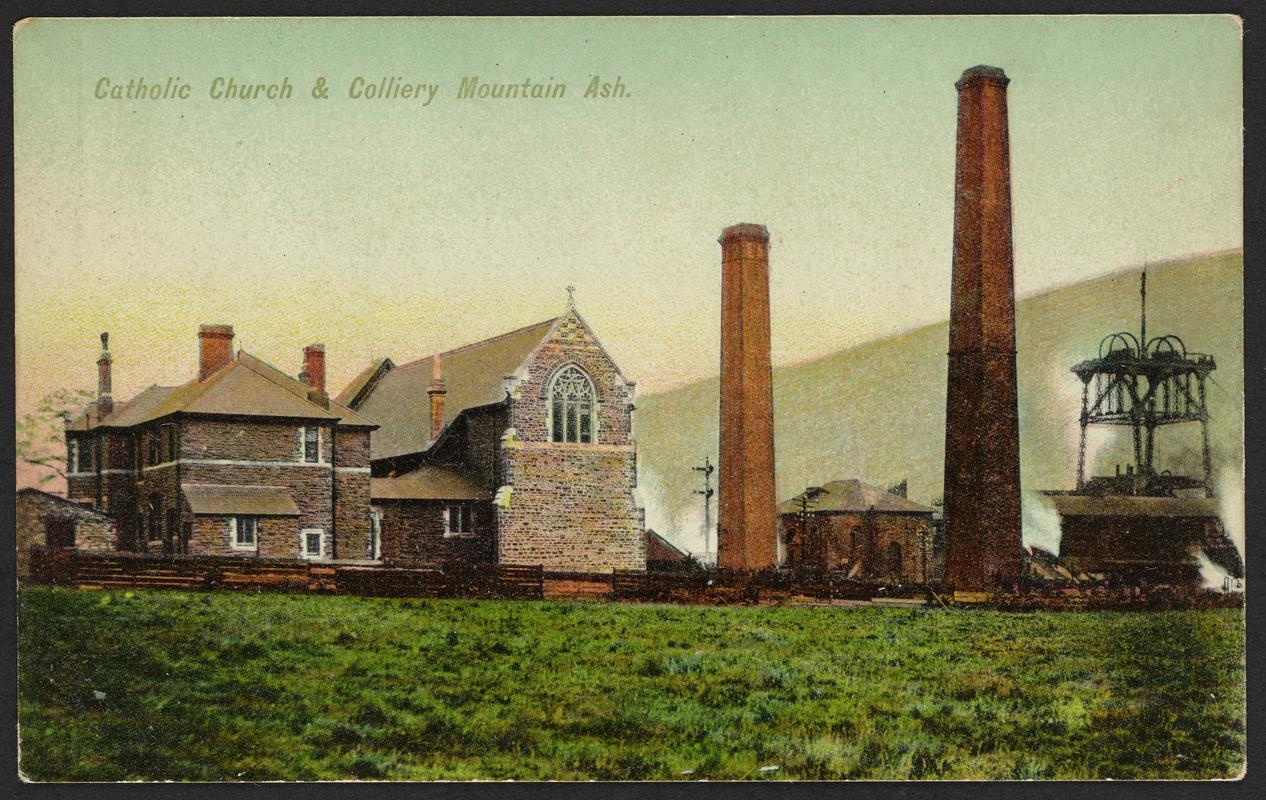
(853, 495)
(61, 507)
(246, 386)
(224, 500)
(660, 549)
(1072, 505)
(429, 482)
(474, 375)
(352, 392)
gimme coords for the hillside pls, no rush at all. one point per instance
(877, 411)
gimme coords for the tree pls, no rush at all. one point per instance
(41, 438)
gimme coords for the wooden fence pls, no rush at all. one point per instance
(101, 570)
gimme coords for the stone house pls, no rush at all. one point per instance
(47, 520)
(516, 449)
(859, 530)
(242, 460)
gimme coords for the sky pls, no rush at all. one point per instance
(385, 227)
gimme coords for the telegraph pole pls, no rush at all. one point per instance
(707, 491)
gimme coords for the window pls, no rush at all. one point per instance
(312, 543)
(572, 402)
(245, 532)
(375, 535)
(310, 436)
(90, 456)
(457, 520)
(154, 518)
(172, 448)
(72, 455)
(152, 454)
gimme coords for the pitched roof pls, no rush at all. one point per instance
(351, 393)
(225, 499)
(246, 386)
(474, 375)
(62, 507)
(127, 414)
(853, 495)
(660, 549)
(429, 482)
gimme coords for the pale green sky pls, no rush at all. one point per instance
(386, 228)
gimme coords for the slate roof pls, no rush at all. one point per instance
(246, 386)
(227, 499)
(429, 482)
(855, 496)
(660, 549)
(61, 507)
(474, 375)
(351, 393)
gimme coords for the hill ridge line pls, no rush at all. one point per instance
(1167, 263)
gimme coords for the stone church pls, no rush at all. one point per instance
(516, 449)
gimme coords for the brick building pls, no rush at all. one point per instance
(46, 520)
(860, 530)
(517, 449)
(241, 460)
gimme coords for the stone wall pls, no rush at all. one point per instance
(263, 453)
(413, 536)
(92, 531)
(570, 506)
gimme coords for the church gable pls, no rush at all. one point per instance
(572, 347)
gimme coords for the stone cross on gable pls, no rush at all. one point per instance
(571, 298)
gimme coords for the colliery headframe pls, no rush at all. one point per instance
(1144, 384)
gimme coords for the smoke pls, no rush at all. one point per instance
(1214, 577)
(1066, 402)
(1039, 522)
(1230, 492)
(684, 529)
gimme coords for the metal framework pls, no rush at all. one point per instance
(1144, 384)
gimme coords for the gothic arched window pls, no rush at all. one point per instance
(572, 406)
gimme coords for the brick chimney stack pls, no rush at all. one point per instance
(747, 538)
(105, 400)
(436, 392)
(314, 373)
(982, 437)
(215, 349)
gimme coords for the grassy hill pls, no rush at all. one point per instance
(877, 411)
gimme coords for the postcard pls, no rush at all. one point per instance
(630, 399)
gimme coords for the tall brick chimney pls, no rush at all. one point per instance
(314, 373)
(982, 436)
(747, 538)
(436, 392)
(215, 348)
(105, 400)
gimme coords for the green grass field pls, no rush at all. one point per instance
(165, 685)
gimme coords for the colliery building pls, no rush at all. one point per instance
(859, 530)
(1146, 526)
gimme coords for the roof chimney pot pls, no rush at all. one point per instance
(215, 349)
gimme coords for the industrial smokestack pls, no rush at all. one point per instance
(747, 538)
(982, 439)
